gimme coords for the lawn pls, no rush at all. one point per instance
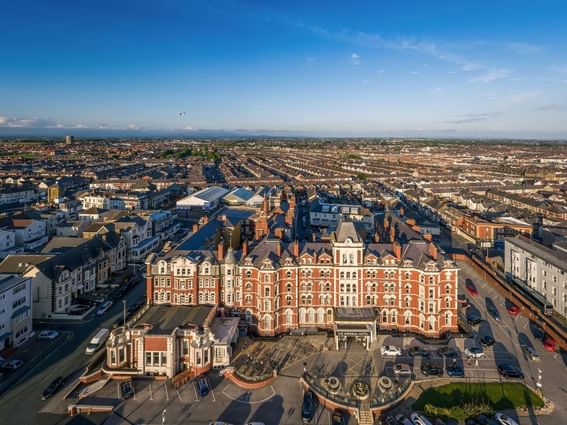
(461, 400)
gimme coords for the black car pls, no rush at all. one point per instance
(418, 351)
(52, 388)
(447, 352)
(487, 340)
(473, 317)
(308, 406)
(126, 390)
(510, 371)
(455, 371)
(431, 370)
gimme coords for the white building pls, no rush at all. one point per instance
(204, 200)
(540, 268)
(15, 310)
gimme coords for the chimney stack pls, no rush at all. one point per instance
(278, 249)
(296, 248)
(433, 250)
(377, 237)
(244, 249)
(195, 228)
(397, 250)
(220, 251)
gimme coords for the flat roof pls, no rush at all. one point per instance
(165, 318)
(224, 328)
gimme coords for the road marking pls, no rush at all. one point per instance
(166, 393)
(212, 392)
(179, 395)
(151, 394)
(195, 389)
(249, 402)
(134, 391)
(118, 390)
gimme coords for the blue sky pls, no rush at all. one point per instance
(376, 68)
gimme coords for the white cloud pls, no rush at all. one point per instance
(491, 75)
(188, 128)
(31, 122)
(470, 66)
(355, 59)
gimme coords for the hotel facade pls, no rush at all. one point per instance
(282, 286)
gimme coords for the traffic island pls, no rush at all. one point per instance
(460, 401)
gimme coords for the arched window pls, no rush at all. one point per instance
(288, 317)
(394, 317)
(448, 289)
(344, 258)
(301, 315)
(447, 302)
(288, 300)
(288, 287)
(288, 274)
(408, 275)
(384, 316)
(248, 274)
(351, 258)
(329, 315)
(267, 322)
(368, 300)
(448, 319)
(321, 315)
(311, 315)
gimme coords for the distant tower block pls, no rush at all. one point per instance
(69, 140)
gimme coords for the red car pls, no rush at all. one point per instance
(514, 310)
(471, 289)
(549, 344)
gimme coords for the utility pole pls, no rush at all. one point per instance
(124, 312)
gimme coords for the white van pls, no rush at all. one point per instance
(97, 341)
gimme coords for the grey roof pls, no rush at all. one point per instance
(17, 264)
(239, 194)
(166, 318)
(211, 194)
(347, 229)
(62, 244)
(553, 256)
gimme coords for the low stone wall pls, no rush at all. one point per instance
(247, 384)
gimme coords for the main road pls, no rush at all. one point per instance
(21, 404)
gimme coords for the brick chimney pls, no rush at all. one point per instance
(279, 249)
(377, 237)
(313, 237)
(220, 251)
(296, 248)
(433, 251)
(427, 237)
(244, 249)
(397, 250)
(410, 222)
(195, 228)
(402, 211)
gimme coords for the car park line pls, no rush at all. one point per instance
(211, 388)
(195, 389)
(179, 395)
(151, 394)
(166, 392)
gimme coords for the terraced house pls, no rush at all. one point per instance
(284, 285)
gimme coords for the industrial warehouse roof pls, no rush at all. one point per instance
(210, 194)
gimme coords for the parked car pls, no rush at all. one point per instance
(510, 371)
(403, 420)
(487, 340)
(13, 364)
(337, 418)
(126, 390)
(202, 386)
(505, 420)
(455, 371)
(402, 369)
(103, 308)
(418, 351)
(447, 352)
(430, 370)
(530, 352)
(419, 419)
(474, 351)
(390, 350)
(52, 388)
(494, 313)
(471, 289)
(549, 344)
(48, 334)
(513, 310)
(473, 317)
(308, 406)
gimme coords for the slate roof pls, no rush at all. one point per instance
(166, 318)
(556, 257)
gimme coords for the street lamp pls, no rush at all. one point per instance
(124, 312)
